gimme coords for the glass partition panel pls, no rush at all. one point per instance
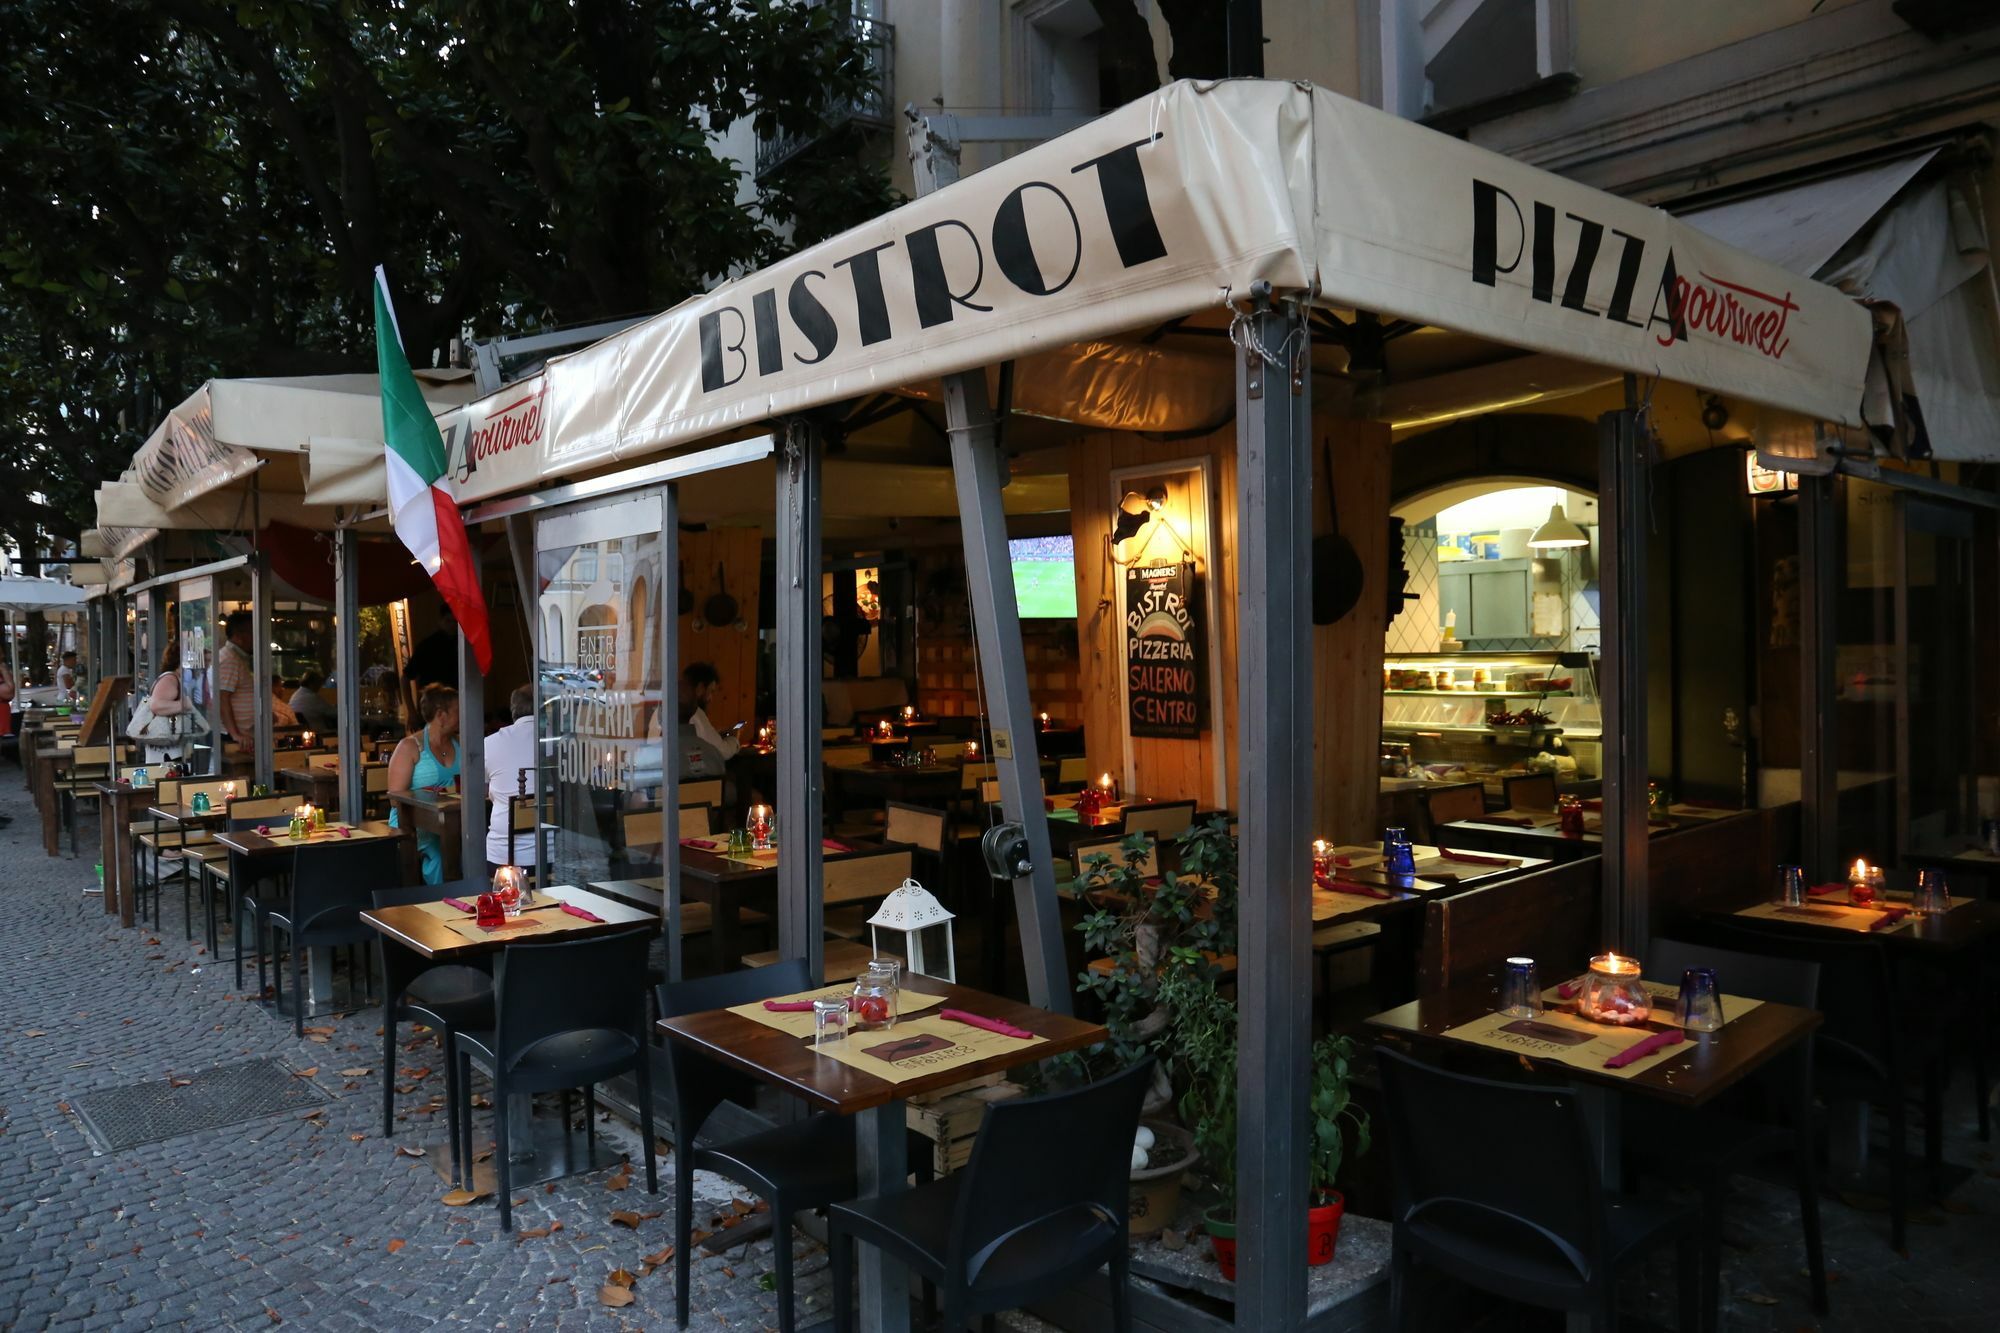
(1950, 682)
(1868, 673)
(598, 688)
(193, 652)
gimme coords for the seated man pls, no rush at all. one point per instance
(311, 707)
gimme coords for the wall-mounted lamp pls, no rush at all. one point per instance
(1134, 511)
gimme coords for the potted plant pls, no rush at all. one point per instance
(1206, 1056)
(1147, 933)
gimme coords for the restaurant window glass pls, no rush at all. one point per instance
(1868, 664)
(1948, 704)
(599, 693)
(138, 625)
(193, 653)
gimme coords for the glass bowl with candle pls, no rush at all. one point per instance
(510, 887)
(1322, 859)
(1864, 883)
(1614, 992)
(761, 821)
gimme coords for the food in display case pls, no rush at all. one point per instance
(1482, 717)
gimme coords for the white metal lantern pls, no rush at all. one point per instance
(921, 919)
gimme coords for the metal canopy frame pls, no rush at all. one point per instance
(1624, 506)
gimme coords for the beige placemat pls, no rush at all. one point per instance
(921, 1047)
(1666, 998)
(1328, 904)
(525, 924)
(1535, 818)
(331, 833)
(1451, 865)
(452, 916)
(769, 858)
(799, 1023)
(1834, 916)
(1566, 1039)
(1358, 855)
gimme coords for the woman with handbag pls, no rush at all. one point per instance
(166, 723)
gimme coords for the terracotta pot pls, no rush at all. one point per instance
(1156, 1191)
(1323, 1227)
(1222, 1239)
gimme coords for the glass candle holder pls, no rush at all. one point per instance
(1322, 858)
(510, 887)
(762, 823)
(875, 995)
(1569, 816)
(1860, 884)
(1614, 992)
(1398, 856)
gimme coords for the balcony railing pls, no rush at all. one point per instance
(870, 106)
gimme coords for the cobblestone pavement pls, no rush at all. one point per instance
(316, 1223)
(319, 1223)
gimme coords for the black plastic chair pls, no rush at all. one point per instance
(322, 909)
(1041, 1204)
(804, 1165)
(1862, 1052)
(446, 997)
(1718, 1142)
(567, 1014)
(1518, 1211)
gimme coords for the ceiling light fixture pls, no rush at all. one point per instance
(1558, 532)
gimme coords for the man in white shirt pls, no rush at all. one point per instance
(510, 772)
(311, 707)
(704, 683)
(66, 673)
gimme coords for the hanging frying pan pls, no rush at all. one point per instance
(1336, 569)
(687, 597)
(720, 608)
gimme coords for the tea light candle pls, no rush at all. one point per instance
(883, 728)
(228, 791)
(1613, 991)
(1322, 857)
(758, 821)
(764, 734)
(1104, 785)
(1045, 721)
(909, 712)
(972, 749)
(306, 740)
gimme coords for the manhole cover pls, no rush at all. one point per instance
(121, 1118)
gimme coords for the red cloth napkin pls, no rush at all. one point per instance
(578, 911)
(1475, 859)
(834, 845)
(1639, 1050)
(1344, 861)
(1823, 890)
(788, 1006)
(461, 905)
(1889, 918)
(1569, 990)
(980, 1021)
(700, 844)
(1352, 886)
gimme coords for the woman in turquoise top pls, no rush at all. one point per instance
(429, 758)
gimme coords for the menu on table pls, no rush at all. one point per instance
(922, 1047)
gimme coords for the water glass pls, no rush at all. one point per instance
(1792, 886)
(1933, 895)
(1398, 856)
(1700, 1006)
(829, 1020)
(1520, 993)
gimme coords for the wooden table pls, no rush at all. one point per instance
(729, 886)
(419, 931)
(881, 1128)
(320, 784)
(119, 804)
(49, 756)
(436, 813)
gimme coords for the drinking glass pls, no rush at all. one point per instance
(1700, 1006)
(1520, 995)
(1398, 856)
(1933, 895)
(829, 1020)
(1792, 885)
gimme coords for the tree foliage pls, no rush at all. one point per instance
(191, 189)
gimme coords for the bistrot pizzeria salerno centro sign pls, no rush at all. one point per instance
(1166, 688)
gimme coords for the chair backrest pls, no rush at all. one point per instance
(375, 778)
(1445, 806)
(970, 775)
(1754, 976)
(696, 821)
(1163, 819)
(522, 811)
(1531, 791)
(283, 759)
(1551, 913)
(866, 875)
(91, 756)
(333, 882)
(191, 787)
(1080, 854)
(400, 964)
(989, 791)
(124, 772)
(1048, 1160)
(250, 811)
(1540, 1199)
(917, 825)
(1857, 996)
(644, 828)
(702, 791)
(167, 791)
(1072, 771)
(544, 990)
(699, 1083)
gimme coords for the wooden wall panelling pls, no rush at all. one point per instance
(1347, 655)
(1550, 915)
(740, 552)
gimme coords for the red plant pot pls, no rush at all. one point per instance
(1322, 1229)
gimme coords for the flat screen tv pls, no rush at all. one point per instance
(1044, 576)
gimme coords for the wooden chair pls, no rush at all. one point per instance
(1450, 804)
(1529, 791)
(210, 864)
(914, 826)
(1072, 772)
(1080, 854)
(284, 759)
(701, 791)
(1160, 821)
(174, 852)
(858, 879)
(89, 765)
(374, 790)
(696, 821)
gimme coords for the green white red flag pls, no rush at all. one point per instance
(421, 505)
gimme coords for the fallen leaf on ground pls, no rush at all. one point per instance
(463, 1240)
(697, 1237)
(615, 1297)
(272, 1315)
(655, 1259)
(621, 1278)
(34, 1032)
(313, 1114)
(356, 1138)
(405, 1150)
(618, 1182)
(459, 1198)
(179, 1082)
(540, 1231)
(624, 1217)
(396, 1245)
(422, 1072)
(739, 1206)
(355, 1073)
(305, 1073)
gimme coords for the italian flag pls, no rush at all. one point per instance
(421, 504)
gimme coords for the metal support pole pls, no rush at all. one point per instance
(528, 590)
(667, 624)
(1623, 504)
(471, 750)
(155, 611)
(260, 662)
(980, 471)
(1819, 776)
(121, 642)
(347, 671)
(801, 909)
(1274, 690)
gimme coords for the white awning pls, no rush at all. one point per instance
(187, 474)
(1918, 250)
(21, 595)
(1161, 210)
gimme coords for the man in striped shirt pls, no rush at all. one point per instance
(236, 682)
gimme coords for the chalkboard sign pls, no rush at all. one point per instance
(1166, 685)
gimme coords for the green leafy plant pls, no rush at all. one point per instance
(1331, 1104)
